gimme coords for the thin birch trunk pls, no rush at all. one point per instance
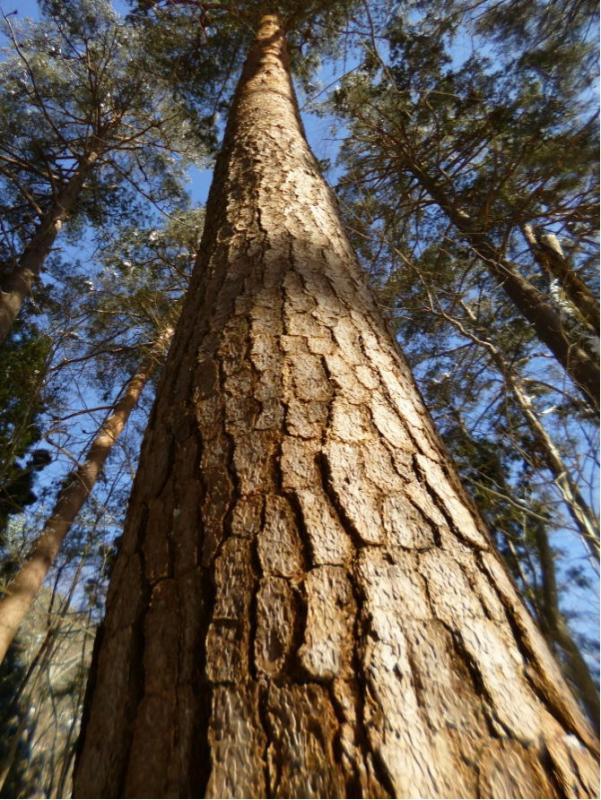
(17, 285)
(305, 603)
(23, 589)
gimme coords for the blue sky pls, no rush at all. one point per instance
(25, 8)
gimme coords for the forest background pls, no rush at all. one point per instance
(425, 117)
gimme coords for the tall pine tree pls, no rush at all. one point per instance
(305, 603)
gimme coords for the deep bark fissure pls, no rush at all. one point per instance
(436, 536)
(439, 504)
(269, 779)
(200, 770)
(360, 690)
(383, 776)
(552, 771)
(548, 698)
(253, 612)
(495, 724)
(330, 492)
(541, 691)
(360, 734)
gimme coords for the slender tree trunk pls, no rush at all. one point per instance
(23, 589)
(17, 285)
(580, 511)
(578, 508)
(7, 762)
(557, 632)
(581, 366)
(547, 251)
(305, 604)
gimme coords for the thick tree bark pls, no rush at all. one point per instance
(305, 604)
(17, 285)
(580, 365)
(546, 603)
(23, 589)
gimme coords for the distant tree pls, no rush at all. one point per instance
(23, 364)
(494, 148)
(154, 267)
(86, 125)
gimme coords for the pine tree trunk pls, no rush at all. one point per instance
(17, 285)
(557, 632)
(547, 251)
(24, 587)
(580, 511)
(305, 604)
(546, 321)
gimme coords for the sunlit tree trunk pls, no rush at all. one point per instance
(581, 365)
(549, 255)
(582, 514)
(16, 286)
(580, 511)
(557, 632)
(546, 603)
(305, 603)
(24, 587)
